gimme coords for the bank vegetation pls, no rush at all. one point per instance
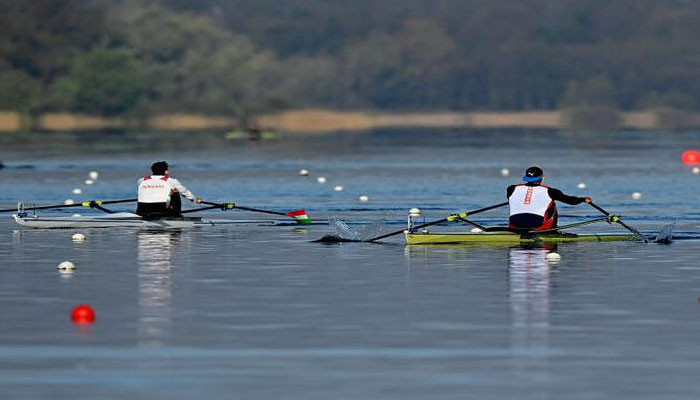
(175, 64)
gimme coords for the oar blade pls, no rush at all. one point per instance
(299, 216)
(666, 234)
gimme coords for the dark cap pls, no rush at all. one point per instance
(159, 168)
(533, 174)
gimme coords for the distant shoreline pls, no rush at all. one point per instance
(326, 121)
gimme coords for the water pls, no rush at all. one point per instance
(260, 312)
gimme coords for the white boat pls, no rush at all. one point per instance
(127, 220)
(122, 219)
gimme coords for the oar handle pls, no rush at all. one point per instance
(89, 203)
(200, 209)
(624, 225)
(245, 208)
(480, 210)
(594, 205)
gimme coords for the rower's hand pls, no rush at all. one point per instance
(456, 217)
(198, 200)
(588, 200)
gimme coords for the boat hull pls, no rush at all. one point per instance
(129, 220)
(126, 220)
(507, 238)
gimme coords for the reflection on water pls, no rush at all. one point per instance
(155, 251)
(529, 286)
(529, 295)
(529, 289)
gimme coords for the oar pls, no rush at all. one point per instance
(91, 203)
(298, 215)
(202, 209)
(615, 218)
(569, 226)
(386, 235)
(472, 223)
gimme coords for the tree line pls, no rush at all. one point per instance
(131, 57)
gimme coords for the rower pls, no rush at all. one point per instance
(532, 204)
(159, 194)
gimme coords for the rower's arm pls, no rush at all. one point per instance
(181, 189)
(558, 195)
(509, 191)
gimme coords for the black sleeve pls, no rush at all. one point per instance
(557, 195)
(509, 191)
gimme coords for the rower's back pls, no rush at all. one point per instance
(159, 194)
(532, 205)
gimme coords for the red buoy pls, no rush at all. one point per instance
(82, 314)
(691, 157)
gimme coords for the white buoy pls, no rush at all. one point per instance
(636, 195)
(505, 172)
(66, 267)
(581, 185)
(89, 182)
(78, 237)
(77, 191)
(69, 202)
(553, 257)
(304, 172)
(321, 180)
(338, 188)
(696, 170)
(94, 174)
(414, 212)
(363, 198)
(76, 215)
(477, 230)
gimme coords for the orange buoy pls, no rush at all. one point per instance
(690, 157)
(82, 314)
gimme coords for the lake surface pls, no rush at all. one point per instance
(261, 312)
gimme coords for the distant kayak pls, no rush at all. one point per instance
(264, 135)
(21, 166)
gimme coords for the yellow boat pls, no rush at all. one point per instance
(498, 238)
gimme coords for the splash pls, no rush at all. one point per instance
(371, 231)
(344, 233)
(666, 234)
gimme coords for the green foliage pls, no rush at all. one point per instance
(18, 90)
(404, 69)
(189, 63)
(41, 37)
(591, 105)
(61, 95)
(243, 56)
(106, 82)
(592, 92)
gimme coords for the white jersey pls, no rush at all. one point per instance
(158, 188)
(530, 200)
